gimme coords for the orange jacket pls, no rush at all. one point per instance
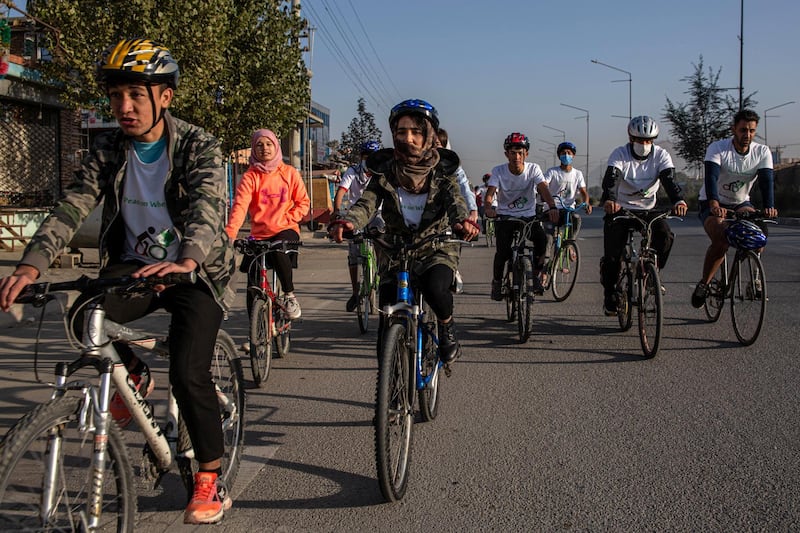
(276, 201)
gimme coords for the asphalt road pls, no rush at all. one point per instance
(570, 431)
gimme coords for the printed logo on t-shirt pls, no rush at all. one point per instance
(735, 186)
(519, 203)
(268, 197)
(154, 244)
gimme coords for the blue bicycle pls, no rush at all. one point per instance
(564, 256)
(408, 350)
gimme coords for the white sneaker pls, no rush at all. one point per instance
(292, 308)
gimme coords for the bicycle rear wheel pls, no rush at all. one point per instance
(564, 271)
(748, 296)
(489, 231)
(283, 327)
(715, 300)
(650, 310)
(260, 340)
(624, 296)
(364, 306)
(524, 273)
(394, 413)
(429, 395)
(51, 434)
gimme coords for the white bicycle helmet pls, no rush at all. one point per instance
(643, 127)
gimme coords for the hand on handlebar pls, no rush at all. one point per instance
(610, 206)
(680, 209)
(181, 266)
(553, 214)
(13, 285)
(468, 229)
(337, 228)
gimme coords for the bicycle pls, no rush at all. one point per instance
(488, 230)
(65, 464)
(269, 322)
(409, 361)
(368, 280)
(639, 284)
(518, 284)
(745, 285)
(565, 258)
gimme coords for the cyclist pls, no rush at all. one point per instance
(565, 182)
(732, 166)
(634, 174)
(353, 182)
(416, 184)
(483, 189)
(149, 186)
(516, 184)
(273, 193)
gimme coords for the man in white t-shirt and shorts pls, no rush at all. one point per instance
(516, 184)
(732, 166)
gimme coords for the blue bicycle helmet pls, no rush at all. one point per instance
(414, 107)
(745, 235)
(566, 145)
(370, 146)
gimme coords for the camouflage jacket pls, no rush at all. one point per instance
(195, 190)
(444, 207)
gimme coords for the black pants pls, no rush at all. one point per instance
(435, 285)
(196, 318)
(615, 237)
(504, 238)
(281, 262)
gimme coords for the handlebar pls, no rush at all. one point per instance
(756, 215)
(40, 293)
(251, 246)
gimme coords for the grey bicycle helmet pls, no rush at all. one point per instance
(643, 127)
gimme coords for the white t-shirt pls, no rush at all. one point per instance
(737, 172)
(639, 183)
(482, 192)
(516, 195)
(150, 236)
(412, 205)
(354, 181)
(563, 185)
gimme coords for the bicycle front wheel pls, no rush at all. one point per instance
(715, 300)
(748, 296)
(364, 300)
(564, 271)
(624, 297)
(525, 299)
(650, 310)
(260, 340)
(429, 394)
(283, 328)
(509, 294)
(489, 232)
(394, 413)
(45, 460)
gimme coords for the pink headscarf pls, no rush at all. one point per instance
(267, 166)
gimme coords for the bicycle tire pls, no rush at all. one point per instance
(363, 308)
(260, 340)
(283, 328)
(564, 270)
(525, 297)
(717, 292)
(509, 295)
(22, 469)
(394, 409)
(429, 394)
(651, 310)
(748, 296)
(489, 232)
(624, 296)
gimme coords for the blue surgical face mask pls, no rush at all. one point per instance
(566, 159)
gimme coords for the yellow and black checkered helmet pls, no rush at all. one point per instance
(140, 60)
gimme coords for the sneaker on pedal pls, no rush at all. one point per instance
(538, 288)
(699, 295)
(352, 303)
(449, 347)
(209, 501)
(144, 385)
(292, 308)
(497, 290)
(610, 305)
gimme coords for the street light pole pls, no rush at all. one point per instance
(562, 132)
(765, 118)
(586, 176)
(630, 84)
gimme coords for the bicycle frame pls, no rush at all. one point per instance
(367, 255)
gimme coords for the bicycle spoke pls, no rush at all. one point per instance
(748, 297)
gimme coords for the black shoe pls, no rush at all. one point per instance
(352, 303)
(538, 288)
(610, 305)
(699, 295)
(449, 347)
(497, 290)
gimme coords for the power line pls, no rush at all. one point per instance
(388, 76)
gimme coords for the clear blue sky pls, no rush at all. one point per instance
(491, 68)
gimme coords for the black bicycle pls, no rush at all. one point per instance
(518, 276)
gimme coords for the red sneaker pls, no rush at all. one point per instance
(144, 384)
(209, 501)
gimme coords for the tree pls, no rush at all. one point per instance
(705, 118)
(361, 129)
(241, 60)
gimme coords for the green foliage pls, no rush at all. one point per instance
(705, 118)
(241, 60)
(361, 129)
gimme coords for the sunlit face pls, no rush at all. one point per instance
(516, 159)
(131, 106)
(264, 149)
(410, 135)
(744, 132)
